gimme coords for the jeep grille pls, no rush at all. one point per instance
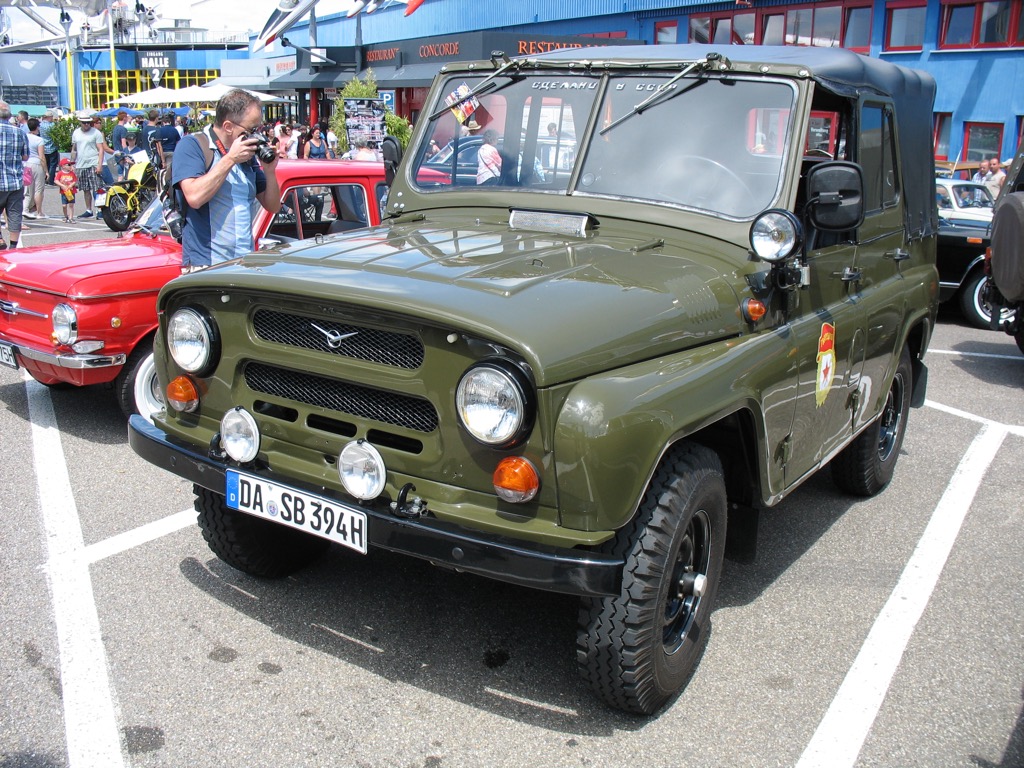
(332, 394)
(401, 350)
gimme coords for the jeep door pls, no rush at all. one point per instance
(827, 336)
(883, 251)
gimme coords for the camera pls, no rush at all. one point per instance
(264, 151)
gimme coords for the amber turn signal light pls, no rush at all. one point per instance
(516, 480)
(753, 310)
(182, 395)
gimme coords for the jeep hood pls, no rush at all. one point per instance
(87, 269)
(571, 306)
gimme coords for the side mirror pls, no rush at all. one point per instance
(835, 196)
(391, 151)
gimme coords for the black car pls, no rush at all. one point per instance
(960, 257)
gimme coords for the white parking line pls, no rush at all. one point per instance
(840, 735)
(991, 356)
(90, 722)
(133, 538)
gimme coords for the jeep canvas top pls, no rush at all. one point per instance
(636, 299)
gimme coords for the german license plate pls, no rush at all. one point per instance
(101, 199)
(7, 357)
(296, 509)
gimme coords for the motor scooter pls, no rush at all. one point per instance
(125, 200)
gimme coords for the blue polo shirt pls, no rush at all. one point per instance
(221, 229)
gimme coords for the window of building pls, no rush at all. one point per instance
(829, 26)
(619, 33)
(97, 84)
(904, 27)
(982, 140)
(984, 24)
(666, 32)
(857, 29)
(943, 121)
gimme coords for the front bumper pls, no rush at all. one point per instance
(73, 362)
(556, 570)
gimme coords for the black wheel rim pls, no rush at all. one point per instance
(892, 418)
(688, 582)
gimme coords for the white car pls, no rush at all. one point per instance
(964, 203)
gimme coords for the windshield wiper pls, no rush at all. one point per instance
(713, 59)
(479, 90)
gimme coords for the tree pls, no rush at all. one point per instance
(365, 89)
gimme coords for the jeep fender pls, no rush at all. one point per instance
(613, 428)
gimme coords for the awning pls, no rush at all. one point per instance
(301, 78)
(409, 76)
(249, 82)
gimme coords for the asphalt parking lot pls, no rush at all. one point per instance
(880, 632)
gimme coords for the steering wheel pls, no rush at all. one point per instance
(702, 190)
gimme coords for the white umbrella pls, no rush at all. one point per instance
(220, 89)
(159, 95)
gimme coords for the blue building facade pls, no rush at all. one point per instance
(973, 48)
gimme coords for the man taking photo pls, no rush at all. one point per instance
(222, 182)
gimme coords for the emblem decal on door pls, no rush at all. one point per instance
(826, 362)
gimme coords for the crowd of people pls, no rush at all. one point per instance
(990, 173)
(97, 161)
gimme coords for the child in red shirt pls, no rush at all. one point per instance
(67, 182)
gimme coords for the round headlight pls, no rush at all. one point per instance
(65, 324)
(492, 405)
(775, 235)
(239, 435)
(361, 469)
(190, 340)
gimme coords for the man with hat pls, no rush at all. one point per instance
(87, 150)
(50, 149)
(166, 138)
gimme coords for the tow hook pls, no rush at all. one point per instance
(216, 452)
(402, 507)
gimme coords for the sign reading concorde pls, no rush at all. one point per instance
(473, 45)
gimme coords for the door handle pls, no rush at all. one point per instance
(898, 255)
(848, 275)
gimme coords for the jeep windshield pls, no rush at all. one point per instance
(707, 142)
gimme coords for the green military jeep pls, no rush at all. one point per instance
(617, 306)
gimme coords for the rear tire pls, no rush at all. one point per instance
(115, 213)
(638, 649)
(867, 464)
(254, 546)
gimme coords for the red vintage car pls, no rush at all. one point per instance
(85, 313)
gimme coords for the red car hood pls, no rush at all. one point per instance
(84, 269)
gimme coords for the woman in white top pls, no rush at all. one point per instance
(37, 163)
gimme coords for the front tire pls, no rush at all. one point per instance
(138, 390)
(254, 546)
(639, 648)
(115, 213)
(975, 304)
(867, 464)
